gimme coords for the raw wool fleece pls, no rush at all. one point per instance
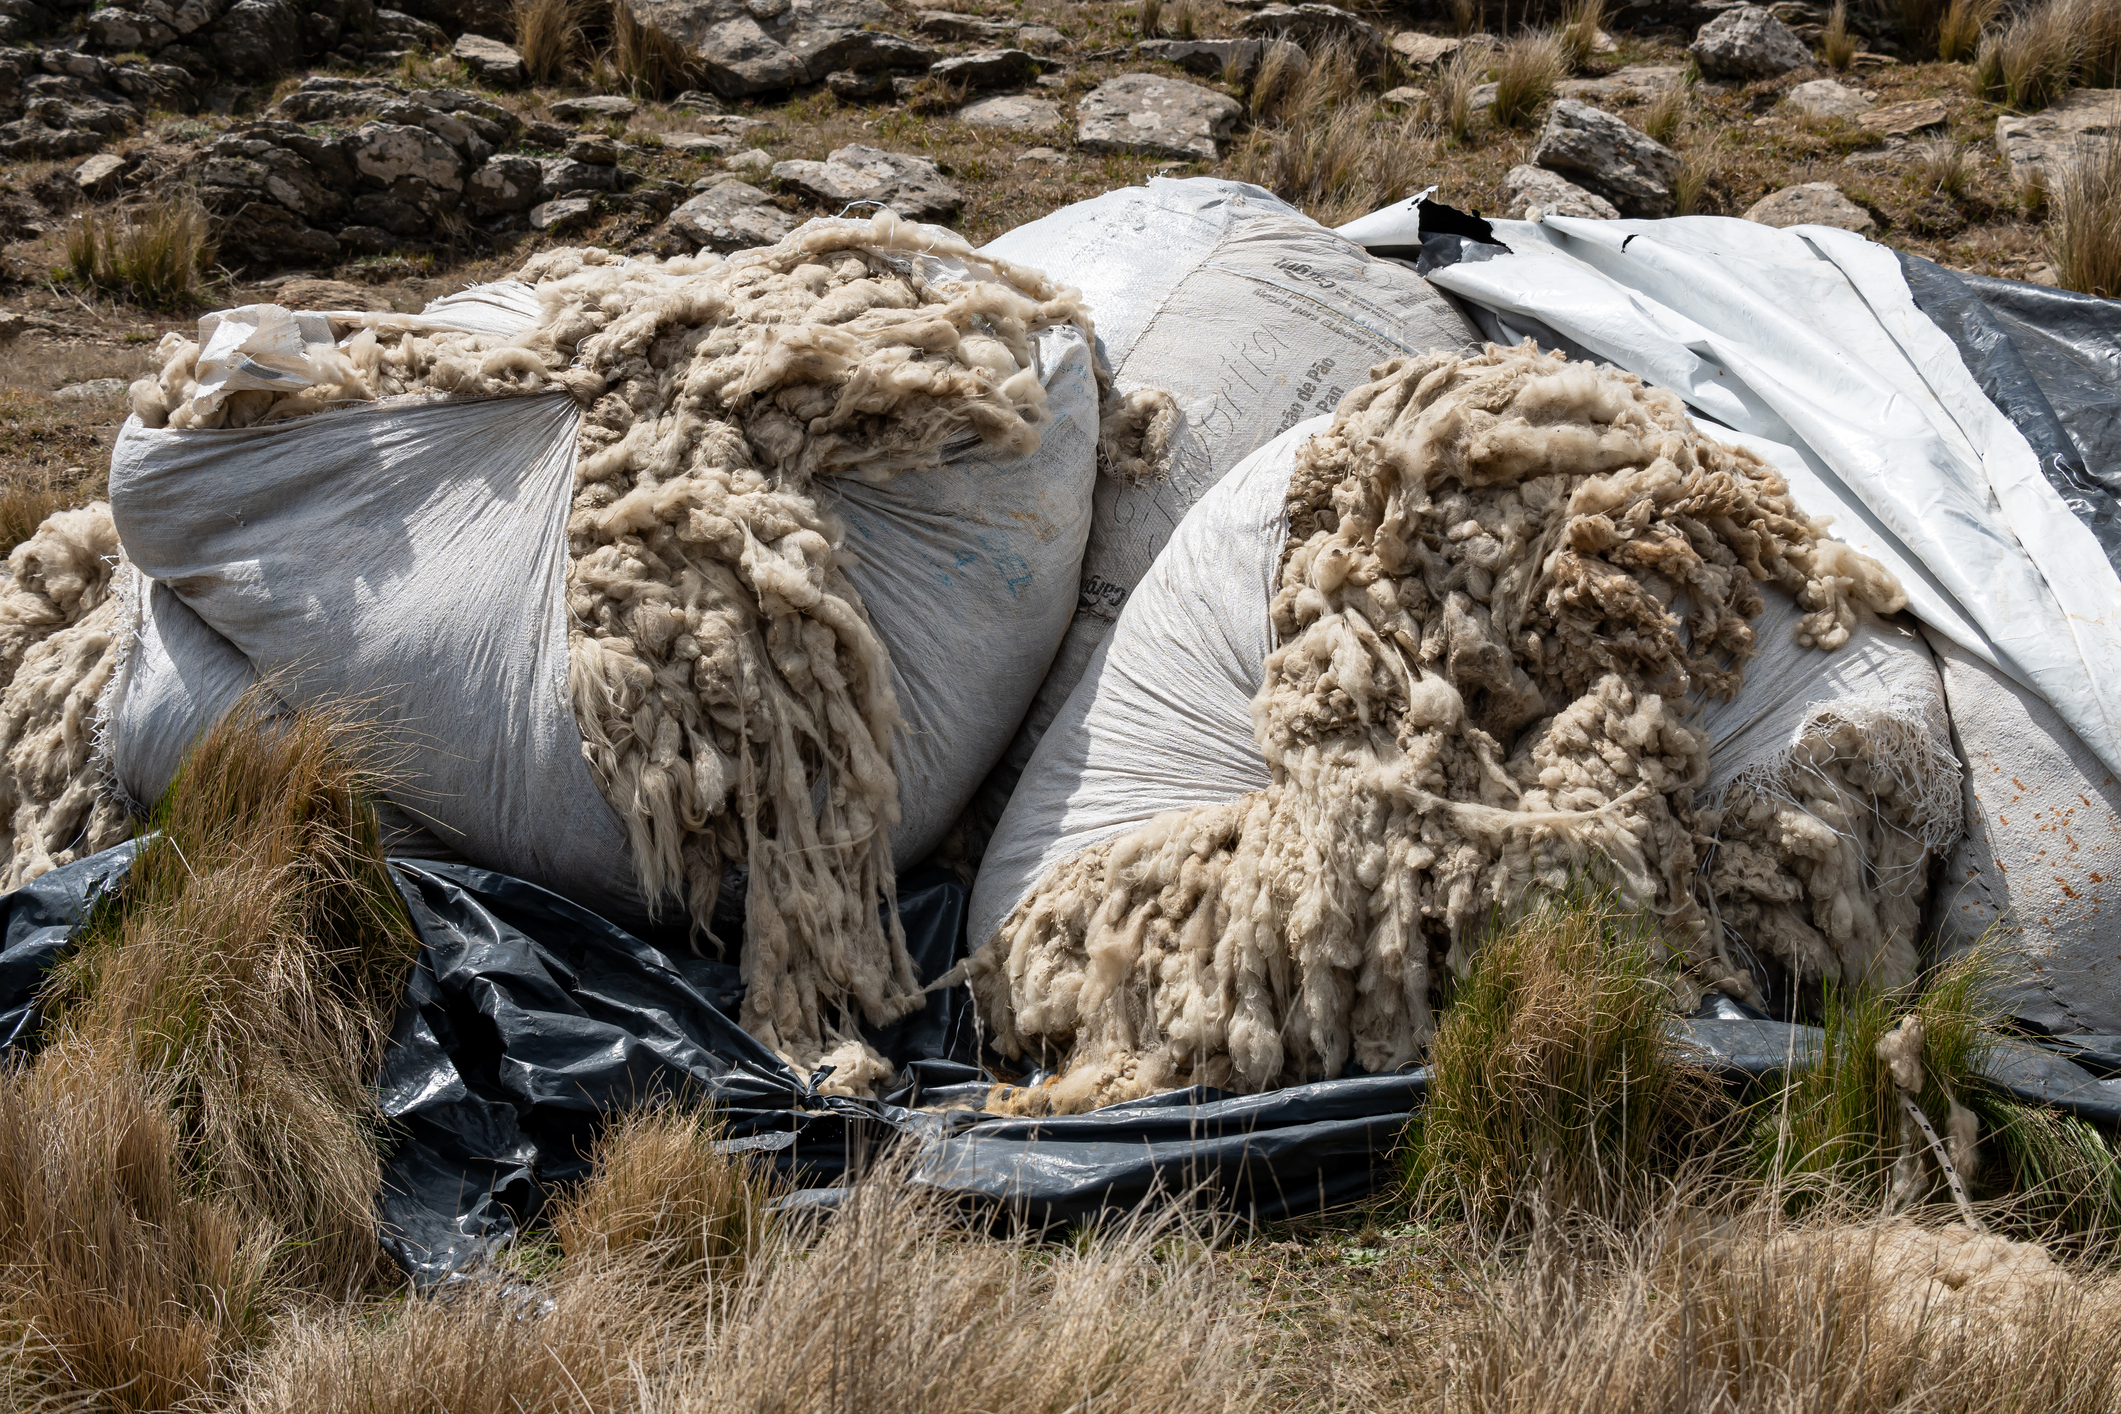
(1475, 690)
(735, 702)
(58, 648)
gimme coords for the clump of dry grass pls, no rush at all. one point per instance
(1275, 79)
(253, 969)
(1330, 155)
(1579, 33)
(2084, 225)
(662, 1193)
(1453, 102)
(1700, 168)
(1837, 42)
(886, 1305)
(1941, 168)
(1667, 112)
(1553, 1085)
(1964, 22)
(2100, 23)
(155, 254)
(1151, 18)
(548, 33)
(1526, 70)
(2036, 58)
(25, 507)
(1185, 20)
(644, 62)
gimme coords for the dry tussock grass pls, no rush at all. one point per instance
(661, 1192)
(1526, 70)
(2045, 51)
(1837, 42)
(548, 34)
(1325, 149)
(155, 254)
(2084, 221)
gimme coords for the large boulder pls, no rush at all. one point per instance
(504, 185)
(1748, 43)
(1812, 204)
(1155, 116)
(1596, 150)
(490, 59)
(2039, 145)
(115, 31)
(745, 47)
(730, 215)
(1314, 26)
(1212, 58)
(258, 37)
(911, 186)
(987, 68)
(1531, 192)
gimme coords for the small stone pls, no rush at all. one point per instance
(1051, 80)
(543, 134)
(564, 211)
(593, 108)
(1155, 117)
(1748, 42)
(1632, 81)
(306, 292)
(1420, 51)
(1212, 58)
(1827, 98)
(1042, 154)
(1406, 96)
(564, 176)
(600, 150)
(698, 144)
(1531, 192)
(1041, 39)
(730, 215)
(1599, 151)
(99, 175)
(1315, 25)
(911, 186)
(490, 59)
(1812, 204)
(1013, 112)
(505, 184)
(386, 152)
(93, 389)
(859, 88)
(953, 28)
(750, 158)
(1900, 119)
(2040, 144)
(987, 68)
(1483, 95)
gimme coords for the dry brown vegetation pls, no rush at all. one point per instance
(2084, 231)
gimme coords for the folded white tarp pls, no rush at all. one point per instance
(1808, 342)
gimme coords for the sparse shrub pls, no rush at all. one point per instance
(644, 62)
(2100, 23)
(548, 34)
(2034, 59)
(1700, 166)
(1553, 1083)
(2084, 226)
(1942, 169)
(1525, 74)
(154, 254)
(1667, 112)
(1152, 18)
(1959, 32)
(1454, 94)
(1837, 43)
(1579, 33)
(1185, 19)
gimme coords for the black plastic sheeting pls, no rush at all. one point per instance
(528, 1021)
(2051, 361)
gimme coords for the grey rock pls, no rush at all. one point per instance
(564, 176)
(385, 152)
(490, 59)
(258, 37)
(1632, 81)
(1156, 117)
(963, 29)
(1529, 192)
(699, 144)
(90, 391)
(595, 108)
(1900, 119)
(99, 175)
(987, 68)
(74, 64)
(27, 138)
(1049, 155)
(408, 208)
(1826, 98)
(859, 88)
(230, 178)
(2039, 145)
(1812, 204)
(365, 240)
(327, 100)
(407, 30)
(1748, 43)
(542, 134)
(756, 159)
(1405, 96)
(1312, 25)
(600, 150)
(504, 184)
(1419, 51)
(566, 211)
(909, 185)
(155, 85)
(863, 51)
(265, 234)
(64, 102)
(114, 31)
(745, 47)
(1596, 150)
(193, 15)
(455, 131)
(730, 215)
(1041, 39)
(1212, 57)
(466, 105)
(1013, 112)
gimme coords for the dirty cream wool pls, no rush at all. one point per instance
(58, 648)
(1503, 575)
(735, 701)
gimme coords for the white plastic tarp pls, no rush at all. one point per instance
(1808, 339)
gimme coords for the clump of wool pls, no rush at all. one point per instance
(734, 698)
(1504, 576)
(58, 648)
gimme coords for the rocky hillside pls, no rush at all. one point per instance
(391, 155)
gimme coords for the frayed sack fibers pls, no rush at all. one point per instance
(719, 564)
(1404, 665)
